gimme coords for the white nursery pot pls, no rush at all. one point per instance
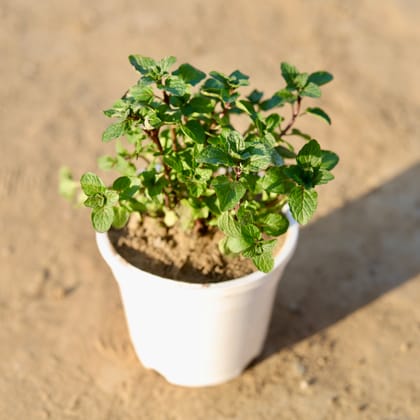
(194, 334)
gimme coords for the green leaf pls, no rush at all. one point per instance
(311, 90)
(67, 185)
(310, 155)
(264, 262)
(112, 197)
(285, 152)
(166, 63)
(237, 244)
(296, 132)
(234, 140)
(271, 103)
(273, 121)
(237, 79)
(194, 130)
(141, 93)
(189, 74)
(300, 80)
(176, 86)
(251, 232)
(289, 72)
(329, 159)
(113, 131)
(142, 64)
(106, 162)
(228, 225)
(215, 156)
(121, 183)
(174, 163)
(91, 184)
(274, 224)
(276, 181)
(261, 156)
(303, 203)
(319, 113)
(323, 177)
(229, 193)
(296, 173)
(199, 105)
(95, 201)
(320, 78)
(119, 109)
(102, 218)
(121, 216)
(255, 96)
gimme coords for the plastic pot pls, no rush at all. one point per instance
(193, 334)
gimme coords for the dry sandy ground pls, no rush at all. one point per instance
(345, 338)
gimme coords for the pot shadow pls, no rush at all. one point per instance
(347, 259)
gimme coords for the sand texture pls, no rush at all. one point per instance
(344, 342)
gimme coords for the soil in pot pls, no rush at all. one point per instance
(173, 253)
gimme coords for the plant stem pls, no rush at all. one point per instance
(294, 116)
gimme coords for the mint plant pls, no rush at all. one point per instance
(183, 161)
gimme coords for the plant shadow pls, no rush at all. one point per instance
(347, 259)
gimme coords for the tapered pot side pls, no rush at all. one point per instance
(194, 334)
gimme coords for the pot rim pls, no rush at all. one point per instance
(109, 253)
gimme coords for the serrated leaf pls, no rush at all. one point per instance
(261, 156)
(194, 130)
(174, 163)
(215, 156)
(112, 197)
(251, 233)
(176, 86)
(310, 155)
(237, 244)
(289, 72)
(311, 90)
(166, 63)
(121, 216)
(121, 183)
(102, 218)
(274, 224)
(228, 225)
(106, 162)
(271, 103)
(237, 78)
(264, 262)
(255, 96)
(95, 201)
(189, 74)
(300, 80)
(323, 177)
(296, 173)
(329, 159)
(303, 203)
(229, 193)
(285, 152)
(113, 131)
(91, 184)
(276, 181)
(320, 77)
(141, 93)
(319, 113)
(142, 64)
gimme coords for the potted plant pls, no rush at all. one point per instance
(188, 174)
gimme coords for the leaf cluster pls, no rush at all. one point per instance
(181, 159)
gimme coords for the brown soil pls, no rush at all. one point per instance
(176, 254)
(344, 341)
